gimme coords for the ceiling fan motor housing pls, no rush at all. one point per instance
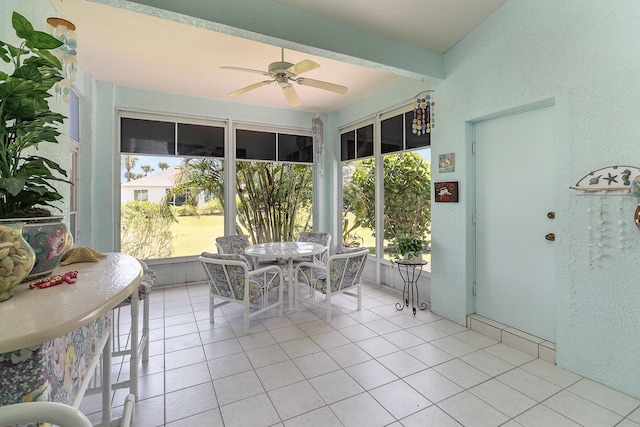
(279, 67)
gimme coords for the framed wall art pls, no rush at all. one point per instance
(446, 191)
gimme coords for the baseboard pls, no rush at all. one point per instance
(512, 337)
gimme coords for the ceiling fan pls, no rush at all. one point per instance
(285, 72)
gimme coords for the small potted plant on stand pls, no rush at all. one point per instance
(26, 119)
(408, 247)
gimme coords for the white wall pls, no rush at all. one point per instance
(583, 55)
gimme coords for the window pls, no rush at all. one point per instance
(404, 178)
(141, 195)
(74, 133)
(170, 186)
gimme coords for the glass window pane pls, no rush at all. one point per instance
(74, 116)
(274, 200)
(358, 208)
(255, 145)
(415, 140)
(147, 136)
(391, 134)
(295, 148)
(348, 146)
(365, 141)
(201, 141)
(189, 224)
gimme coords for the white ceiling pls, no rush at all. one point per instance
(137, 50)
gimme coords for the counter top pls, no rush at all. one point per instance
(34, 316)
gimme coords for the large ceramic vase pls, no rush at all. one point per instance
(49, 238)
(16, 257)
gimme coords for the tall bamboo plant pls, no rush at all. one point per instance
(274, 200)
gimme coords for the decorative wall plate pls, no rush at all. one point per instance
(611, 178)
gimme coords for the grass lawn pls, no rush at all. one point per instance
(194, 235)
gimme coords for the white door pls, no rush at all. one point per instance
(515, 255)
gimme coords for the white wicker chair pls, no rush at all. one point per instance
(43, 412)
(341, 274)
(231, 281)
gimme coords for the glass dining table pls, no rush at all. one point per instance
(287, 251)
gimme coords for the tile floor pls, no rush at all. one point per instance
(376, 367)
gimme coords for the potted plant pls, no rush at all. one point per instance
(408, 247)
(26, 119)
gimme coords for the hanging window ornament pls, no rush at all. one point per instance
(64, 31)
(422, 116)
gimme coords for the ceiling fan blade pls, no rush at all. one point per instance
(247, 70)
(302, 67)
(322, 85)
(291, 95)
(250, 87)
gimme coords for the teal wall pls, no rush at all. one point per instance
(582, 55)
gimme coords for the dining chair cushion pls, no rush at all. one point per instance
(229, 280)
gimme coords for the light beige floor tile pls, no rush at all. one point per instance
(180, 358)
(371, 374)
(528, 384)
(370, 413)
(330, 339)
(382, 326)
(541, 415)
(606, 397)
(265, 356)
(464, 375)
(475, 339)
(300, 347)
(186, 376)
(470, 411)
(148, 412)
(400, 399)
(634, 416)
(581, 410)
(237, 387)
(402, 363)
(208, 418)
(430, 417)
(316, 364)
(545, 370)
(508, 354)
(229, 365)
(357, 333)
(335, 386)
(222, 348)
(348, 355)
(454, 346)
(256, 340)
(295, 399)
(256, 411)
(433, 385)
(502, 397)
(429, 354)
(487, 363)
(627, 423)
(288, 333)
(279, 375)
(190, 401)
(322, 417)
(403, 339)
(377, 346)
(448, 326)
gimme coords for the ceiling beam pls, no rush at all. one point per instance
(273, 23)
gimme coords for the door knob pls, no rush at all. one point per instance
(550, 237)
(551, 215)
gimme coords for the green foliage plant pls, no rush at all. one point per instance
(407, 195)
(410, 246)
(26, 179)
(145, 230)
